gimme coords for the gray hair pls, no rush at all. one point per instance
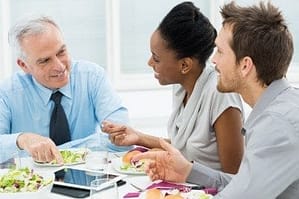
(28, 27)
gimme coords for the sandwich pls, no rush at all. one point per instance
(128, 164)
(127, 158)
(154, 194)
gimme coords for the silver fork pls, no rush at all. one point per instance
(138, 188)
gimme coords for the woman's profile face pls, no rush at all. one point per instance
(163, 61)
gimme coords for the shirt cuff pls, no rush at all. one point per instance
(207, 177)
(8, 145)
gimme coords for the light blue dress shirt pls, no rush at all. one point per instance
(270, 165)
(25, 106)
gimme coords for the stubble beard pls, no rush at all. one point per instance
(231, 86)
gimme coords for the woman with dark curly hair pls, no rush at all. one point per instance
(205, 124)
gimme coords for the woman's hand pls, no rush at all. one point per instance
(120, 134)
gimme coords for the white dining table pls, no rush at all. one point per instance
(142, 181)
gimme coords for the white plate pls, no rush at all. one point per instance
(193, 194)
(21, 195)
(117, 165)
(80, 150)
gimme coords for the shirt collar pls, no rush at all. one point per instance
(46, 93)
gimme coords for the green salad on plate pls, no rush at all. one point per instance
(70, 157)
(22, 180)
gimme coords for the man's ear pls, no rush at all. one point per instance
(247, 66)
(23, 66)
(186, 65)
